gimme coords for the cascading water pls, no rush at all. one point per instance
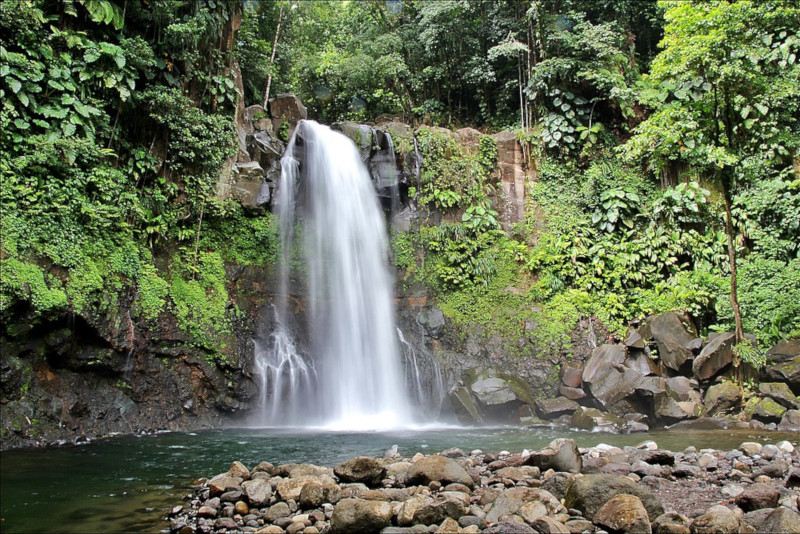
(355, 381)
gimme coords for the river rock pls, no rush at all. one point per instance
(290, 488)
(781, 520)
(560, 455)
(780, 393)
(222, 483)
(671, 523)
(440, 469)
(672, 337)
(357, 516)
(548, 525)
(433, 512)
(758, 496)
(511, 500)
(361, 469)
(594, 420)
(277, 511)
(768, 410)
(717, 519)
(623, 513)
(509, 527)
(715, 356)
(258, 492)
(790, 420)
(238, 469)
(315, 493)
(552, 408)
(590, 492)
(722, 397)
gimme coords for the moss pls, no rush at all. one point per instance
(22, 281)
(200, 302)
(153, 292)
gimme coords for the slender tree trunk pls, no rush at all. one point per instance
(737, 312)
(272, 57)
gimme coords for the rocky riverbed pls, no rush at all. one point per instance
(559, 489)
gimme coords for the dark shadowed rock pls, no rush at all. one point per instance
(639, 361)
(623, 513)
(286, 108)
(552, 408)
(715, 356)
(634, 339)
(758, 496)
(361, 469)
(790, 420)
(557, 484)
(672, 337)
(357, 516)
(589, 493)
(783, 352)
(607, 379)
(440, 469)
(787, 371)
(560, 455)
(602, 357)
(548, 525)
(432, 321)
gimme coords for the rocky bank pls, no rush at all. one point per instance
(560, 489)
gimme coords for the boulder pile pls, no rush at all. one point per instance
(560, 489)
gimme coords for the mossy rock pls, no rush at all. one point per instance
(768, 410)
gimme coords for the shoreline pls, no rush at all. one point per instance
(561, 488)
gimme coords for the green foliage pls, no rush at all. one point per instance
(153, 292)
(200, 301)
(26, 282)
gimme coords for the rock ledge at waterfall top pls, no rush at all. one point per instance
(630, 489)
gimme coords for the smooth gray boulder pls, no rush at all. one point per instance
(357, 516)
(440, 469)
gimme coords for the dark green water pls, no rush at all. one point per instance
(128, 483)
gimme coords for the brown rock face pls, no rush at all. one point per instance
(286, 108)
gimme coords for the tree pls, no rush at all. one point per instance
(725, 91)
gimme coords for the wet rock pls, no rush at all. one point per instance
(758, 496)
(623, 513)
(511, 500)
(715, 356)
(589, 493)
(432, 321)
(780, 393)
(357, 516)
(722, 397)
(438, 468)
(560, 455)
(672, 337)
(207, 511)
(361, 469)
(552, 408)
(594, 420)
(717, 519)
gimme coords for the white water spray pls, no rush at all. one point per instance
(356, 380)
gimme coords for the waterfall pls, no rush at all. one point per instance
(352, 378)
(429, 395)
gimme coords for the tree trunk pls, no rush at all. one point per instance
(272, 57)
(737, 312)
